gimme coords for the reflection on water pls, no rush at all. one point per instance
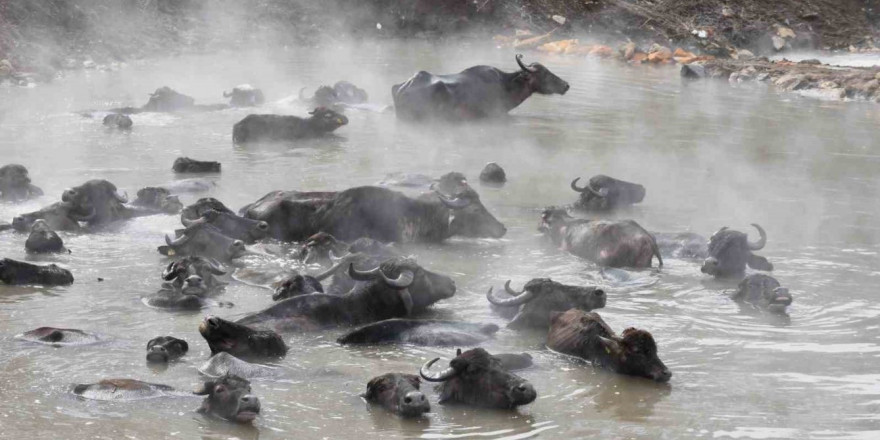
(709, 156)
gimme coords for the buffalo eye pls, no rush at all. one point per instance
(219, 389)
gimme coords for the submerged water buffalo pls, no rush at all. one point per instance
(541, 297)
(117, 120)
(194, 275)
(245, 95)
(297, 285)
(255, 128)
(203, 239)
(587, 336)
(156, 200)
(229, 397)
(187, 165)
(375, 212)
(493, 174)
(622, 243)
(476, 92)
(98, 202)
(420, 332)
(211, 211)
(15, 184)
(163, 349)
(398, 393)
(397, 288)
(764, 292)
(21, 273)
(240, 340)
(477, 378)
(604, 193)
(682, 245)
(224, 363)
(121, 389)
(323, 248)
(342, 93)
(59, 216)
(43, 239)
(730, 251)
(59, 337)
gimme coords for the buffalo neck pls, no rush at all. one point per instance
(517, 88)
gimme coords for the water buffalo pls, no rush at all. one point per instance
(211, 211)
(342, 93)
(98, 203)
(476, 92)
(398, 393)
(60, 216)
(117, 120)
(587, 336)
(15, 184)
(240, 340)
(203, 239)
(156, 200)
(477, 378)
(59, 337)
(397, 288)
(121, 389)
(541, 297)
(165, 348)
(19, 273)
(224, 363)
(451, 183)
(296, 285)
(682, 244)
(604, 193)
(245, 95)
(622, 243)
(420, 332)
(166, 99)
(194, 275)
(764, 292)
(493, 174)
(43, 239)
(229, 397)
(187, 165)
(730, 251)
(255, 128)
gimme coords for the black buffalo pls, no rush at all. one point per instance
(255, 128)
(98, 202)
(117, 120)
(397, 288)
(297, 285)
(59, 337)
(187, 165)
(163, 349)
(194, 275)
(43, 239)
(323, 247)
(342, 94)
(15, 184)
(375, 212)
(214, 213)
(240, 340)
(420, 332)
(541, 297)
(398, 393)
(477, 378)
(245, 95)
(156, 200)
(764, 292)
(21, 273)
(121, 389)
(604, 193)
(203, 239)
(730, 251)
(682, 245)
(229, 397)
(622, 243)
(476, 92)
(493, 174)
(60, 216)
(587, 336)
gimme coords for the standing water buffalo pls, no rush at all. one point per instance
(15, 184)
(240, 340)
(730, 251)
(245, 95)
(203, 239)
(187, 165)
(541, 297)
(229, 398)
(586, 335)
(398, 393)
(477, 378)
(20, 273)
(255, 128)
(604, 193)
(43, 239)
(763, 292)
(607, 243)
(474, 93)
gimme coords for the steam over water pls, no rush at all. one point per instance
(708, 154)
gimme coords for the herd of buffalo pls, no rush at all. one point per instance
(367, 286)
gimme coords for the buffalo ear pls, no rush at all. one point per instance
(458, 352)
(414, 380)
(372, 385)
(183, 345)
(758, 262)
(612, 347)
(205, 389)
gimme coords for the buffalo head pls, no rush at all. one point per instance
(605, 193)
(399, 393)
(240, 340)
(416, 286)
(541, 297)
(96, 202)
(165, 348)
(325, 120)
(730, 252)
(203, 239)
(15, 184)
(165, 99)
(230, 398)
(469, 218)
(477, 378)
(194, 275)
(541, 79)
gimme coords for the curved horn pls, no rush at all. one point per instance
(120, 198)
(401, 282)
(442, 376)
(327, 273)
(456, 203)
(584, 189)
(365, 275)
(511, 291)
(187, 222)
(84, 218)
(521, 65)
(517, 300)
(175, 243)
(168, 274)
(761, 242)
(214, 267)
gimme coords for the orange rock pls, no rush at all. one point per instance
(639, 57)
(533, 42)
(628, 50)
(660, 55)
(560, 46)
(601, 51)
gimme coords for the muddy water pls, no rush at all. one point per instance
(710, 156)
